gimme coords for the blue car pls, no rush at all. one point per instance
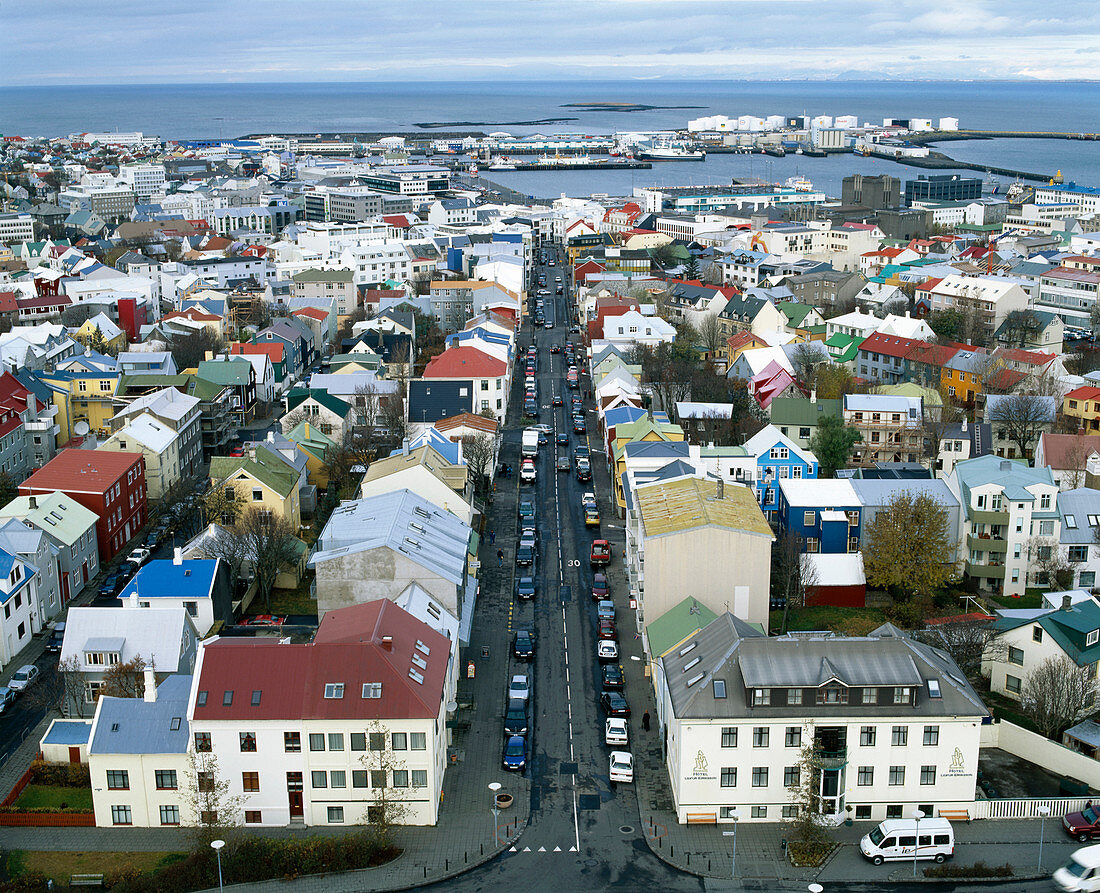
(515, 753)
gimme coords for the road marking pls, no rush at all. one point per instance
(542, 849)
(557, 849)
(576, 823)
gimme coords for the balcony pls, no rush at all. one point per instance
(987, 543)
(831, 757)
(994, 570)
(980, 517)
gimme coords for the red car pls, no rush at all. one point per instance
(600, 589)
(265, 620)
(1083, 825)
(601, 553)
(607, 631)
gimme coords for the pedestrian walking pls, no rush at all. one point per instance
(492, 537)
(645, 720)
(500, 558)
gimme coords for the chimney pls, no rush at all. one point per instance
(133, 599)
(387, 642)
(405, 447)
(150, 685)
(1006, 465)
(177, 556)
(1067, 603)
(813, 395)
(965, 421)
(720, 492)
(32, 408)
(32, 502)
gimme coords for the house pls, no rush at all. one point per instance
(153, 362)
(771, 382)
(322, 326)
(1079, 512)
(425, 472)
(373, 548)
(962, 441)
(36, 551)
(631, 328)
(71, 528)
(891, 426)
(675, 531)
(777, 457)
(275, 351)
(1000, 412)
(836, 579)
(199, 585)
(993, 298)
(81, 396)
(798, 417)
(429, 401)
(1074, 459)
(825, 514)
(22, 616)
(1007, 508)
(751, 311)
(317, 448)
(875, 495)
(97, 639)
(331, 415)
(320, 732)
(238, 376)
(260, 479)
(326, 283)
(1025, 639)
(1083, 405)
(1032, 329)
(893, 723)
(489, 374)
(177, 411)
(158, 443)
(109, 484)
(100, 333)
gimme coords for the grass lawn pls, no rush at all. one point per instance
(290, 601)
(40, 796)
(850, 620)
(59, 865)
(1032, 598)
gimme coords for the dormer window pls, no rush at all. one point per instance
(1092, 637)
(832, 694)
(761, 697)
(901, 695)
(334, 690)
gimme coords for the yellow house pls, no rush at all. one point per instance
(1083, 404)
(81, 396)
(262, 479)
(646, 429)
(100, 333)
(315, 445)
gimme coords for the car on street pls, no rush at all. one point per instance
(607, 650)
(612, 676)
(515, 717)
(519, 687)
(562, 439)
(614, 704)
(579, 426)
(563, 463)
(601, 553)
(112, 585)
(588, 499)
(265, 620)
(7, 698)
(581, 451)
(615, 731)
(557, 400)
(591, 517)
(605, 609)
(526, 510)
(527, 472)
(621, 766)
(555, 348)
(515, 753)
(525, 554)
(584, 471)
(605, 629)
(525, 587)
(24, 678)
(524, 645)
(600, 587)
(57, 638)
(138, 556)
(1083, 825)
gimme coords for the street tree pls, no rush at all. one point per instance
(832, 381)
(908, 546)
(270, 544)
(387, 808)
(9, 488)
(936, 421)
(220, 504)
(832, 443)
(1058, 694)
(810, 837)
(969, 641)
(191, 349)
(479, 451)
(1022, 417)
(1054, 568)
(711, 336)
(793, 573)
(207, 794)
(1075, 459)
(805, 358)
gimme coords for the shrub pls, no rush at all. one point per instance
(25, 883)
(61, 775)
(977, 870)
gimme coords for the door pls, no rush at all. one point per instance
(84, 570)
(294, 794)
(74, 754)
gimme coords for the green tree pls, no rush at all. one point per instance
(832, 443)
(9, 489)
(691, 267)
(908, 546)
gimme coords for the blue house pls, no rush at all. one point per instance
(827, 514)
(778, 458)
(198, 585)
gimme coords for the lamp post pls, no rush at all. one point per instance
(495, 810)
(918, 815)
(217, 845)
(815, 888)
(735, 815)
(1043, 811)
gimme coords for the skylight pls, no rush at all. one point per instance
(416, 676)
(422, 648)
(334, 690)
(934, 688)
(688, 648)
(372, 689)
(719, 688)
(691, 663)
(256, 695)
(175, 724)
(227, 698)
(201, 699)
(694, 679)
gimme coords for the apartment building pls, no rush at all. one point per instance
(146, 180)
(890, 425)
(992, 298)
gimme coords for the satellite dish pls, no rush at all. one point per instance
(81, 428)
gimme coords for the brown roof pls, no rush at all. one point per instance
(1068, 450)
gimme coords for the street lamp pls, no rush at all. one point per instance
(495, 810)
(217, 845)
(1043, 811)
(815, 888)
(918, 815)
(735, 815)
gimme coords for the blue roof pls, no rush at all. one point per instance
(70, 732)
(134, 725)
(1015, 476)
(446, 447)
(622, 415)
(191, 579)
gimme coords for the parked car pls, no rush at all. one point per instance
(525, 554)
(265, 620)
(605, 629)
(524, 646)
(580, 450)
(525, 587)
(584, 471)
(138, 557)
(600, 555)
(112, 585)
(607, 651)
(7, 698)
(614, 704)
(1084, 825)
(26, 676)
(519, 687)
(600, 588)
(621, 766)
(591, 517)
(605, 609)
(527, 472)
(612, 676)
(515, 717)
(579, 427)
(615, 731)
(57, 637)
(515, 753)
(526, 510)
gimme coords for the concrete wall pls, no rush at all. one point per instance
(375, 574)
(1041, 751)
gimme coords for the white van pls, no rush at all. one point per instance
(1082, 872)
(897, 839)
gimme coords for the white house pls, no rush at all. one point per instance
(20, 617)
(633, 328)
(200, 586)
(160, 446)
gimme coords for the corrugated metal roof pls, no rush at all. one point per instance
(689, 503)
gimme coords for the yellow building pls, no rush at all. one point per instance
(1083, 404)
(82, 396)
(262, 479)
(100, 333)
(646, 429)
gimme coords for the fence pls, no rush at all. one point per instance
(1026, 809)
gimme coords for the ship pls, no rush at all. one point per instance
(502, 164)
(668, 151)
(799, 184)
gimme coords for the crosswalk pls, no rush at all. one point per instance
(541, 849)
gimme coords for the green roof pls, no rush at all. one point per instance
(297, 396)
(234, 371)
(800, 411)
(143, 381)
(1069, 628)
(316, 442)
(794, 311)
(267, 467)
(676, 624)
(324, 276)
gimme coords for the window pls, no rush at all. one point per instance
(793, 737)
(398, 741)
(809, 519)
(1016, 656)
(205, 782)
(316, 741)
(252, 817)
(120, 815)
(760, 812)
(335, 815)
(378, 778)
(338, 778)
(250, 781)
(760, 736)
(865, 776)
(813, 545)
(1044, 502)
(729, 736)
(319, 779)
(728, 777)
(789, 812)
(335, 741)
(1077, 554)
(899, 736)
(292, 742)
(358, 741)
(358, 778)
(248, 742)
(870, 696)
(1012, 684)
(418, 741)
(897, 775)
(166, 779)
(832, 694)
(118, 780)
(760, 777)
(794, 697)
(334, 690)
(931, 736)
(901, 695)
(927, 774)
(894, 811)
(257, 495)
(761, 697)
(867, 736)
(1070, 521)
(1037, 633)
(419, 778)
(791, 775)
(192, 608)
(202, 742)
(400, 778)
(1046, 528)
(169, 815)
(377, 740)
(1092, 637)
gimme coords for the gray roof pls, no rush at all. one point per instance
(993, 400)
(134, 725)
(1079, 504)
(1087, 732)
(879, 492)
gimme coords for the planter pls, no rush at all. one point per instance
(504, 801)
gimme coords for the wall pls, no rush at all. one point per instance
(1041, 751)
(373, 574)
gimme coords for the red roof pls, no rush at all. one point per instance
(81, 471)
(398, 221)
(932, 354)
(1085, 392)
(743, 339)
(273, 349)
(464, 362)
(1067, 450)
(466, 420)
(43, 301)
(1027, 357)
(194, 314)
(311, 312)
(350, 648)
(769, 383)
(8, 302)
(890, 345)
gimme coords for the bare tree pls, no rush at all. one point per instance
(220, 504)
(380, 760)
(1057, 694)
(221, 543)
(206, 792)
(270, 544)
(1022, 417)
(811, 836)
(479, 451)
(935, 423)
(968, 642)
(1076, 458)
(126, 679)
(805, 358)
(710, 333)
(1054, 568)
(191, 349)
(712, 274)
(794, 573)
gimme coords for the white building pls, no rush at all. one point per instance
(146, 180)
(885, 724)
(20, 618)
(16, 229)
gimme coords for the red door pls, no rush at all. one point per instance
(74, 754)
(294, 794)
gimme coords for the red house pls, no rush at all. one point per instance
(108, 483)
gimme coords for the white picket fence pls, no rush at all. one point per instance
(1027, 809)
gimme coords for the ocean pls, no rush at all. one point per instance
(228, 110)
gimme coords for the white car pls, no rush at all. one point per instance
(614, 731)
(519, 687)
(607, 650)
(527, 473)
(621, 766)
(138, 557)
(24, 678)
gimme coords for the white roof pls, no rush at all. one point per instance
(167, 402)
(150, 433)
(157, 634)
(836, 569)
(818, 492)
(758, 359)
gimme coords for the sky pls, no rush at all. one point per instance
(198, 41)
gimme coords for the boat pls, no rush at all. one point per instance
(861, 149)
(799, 184)
(665, 150)
(502, 164)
